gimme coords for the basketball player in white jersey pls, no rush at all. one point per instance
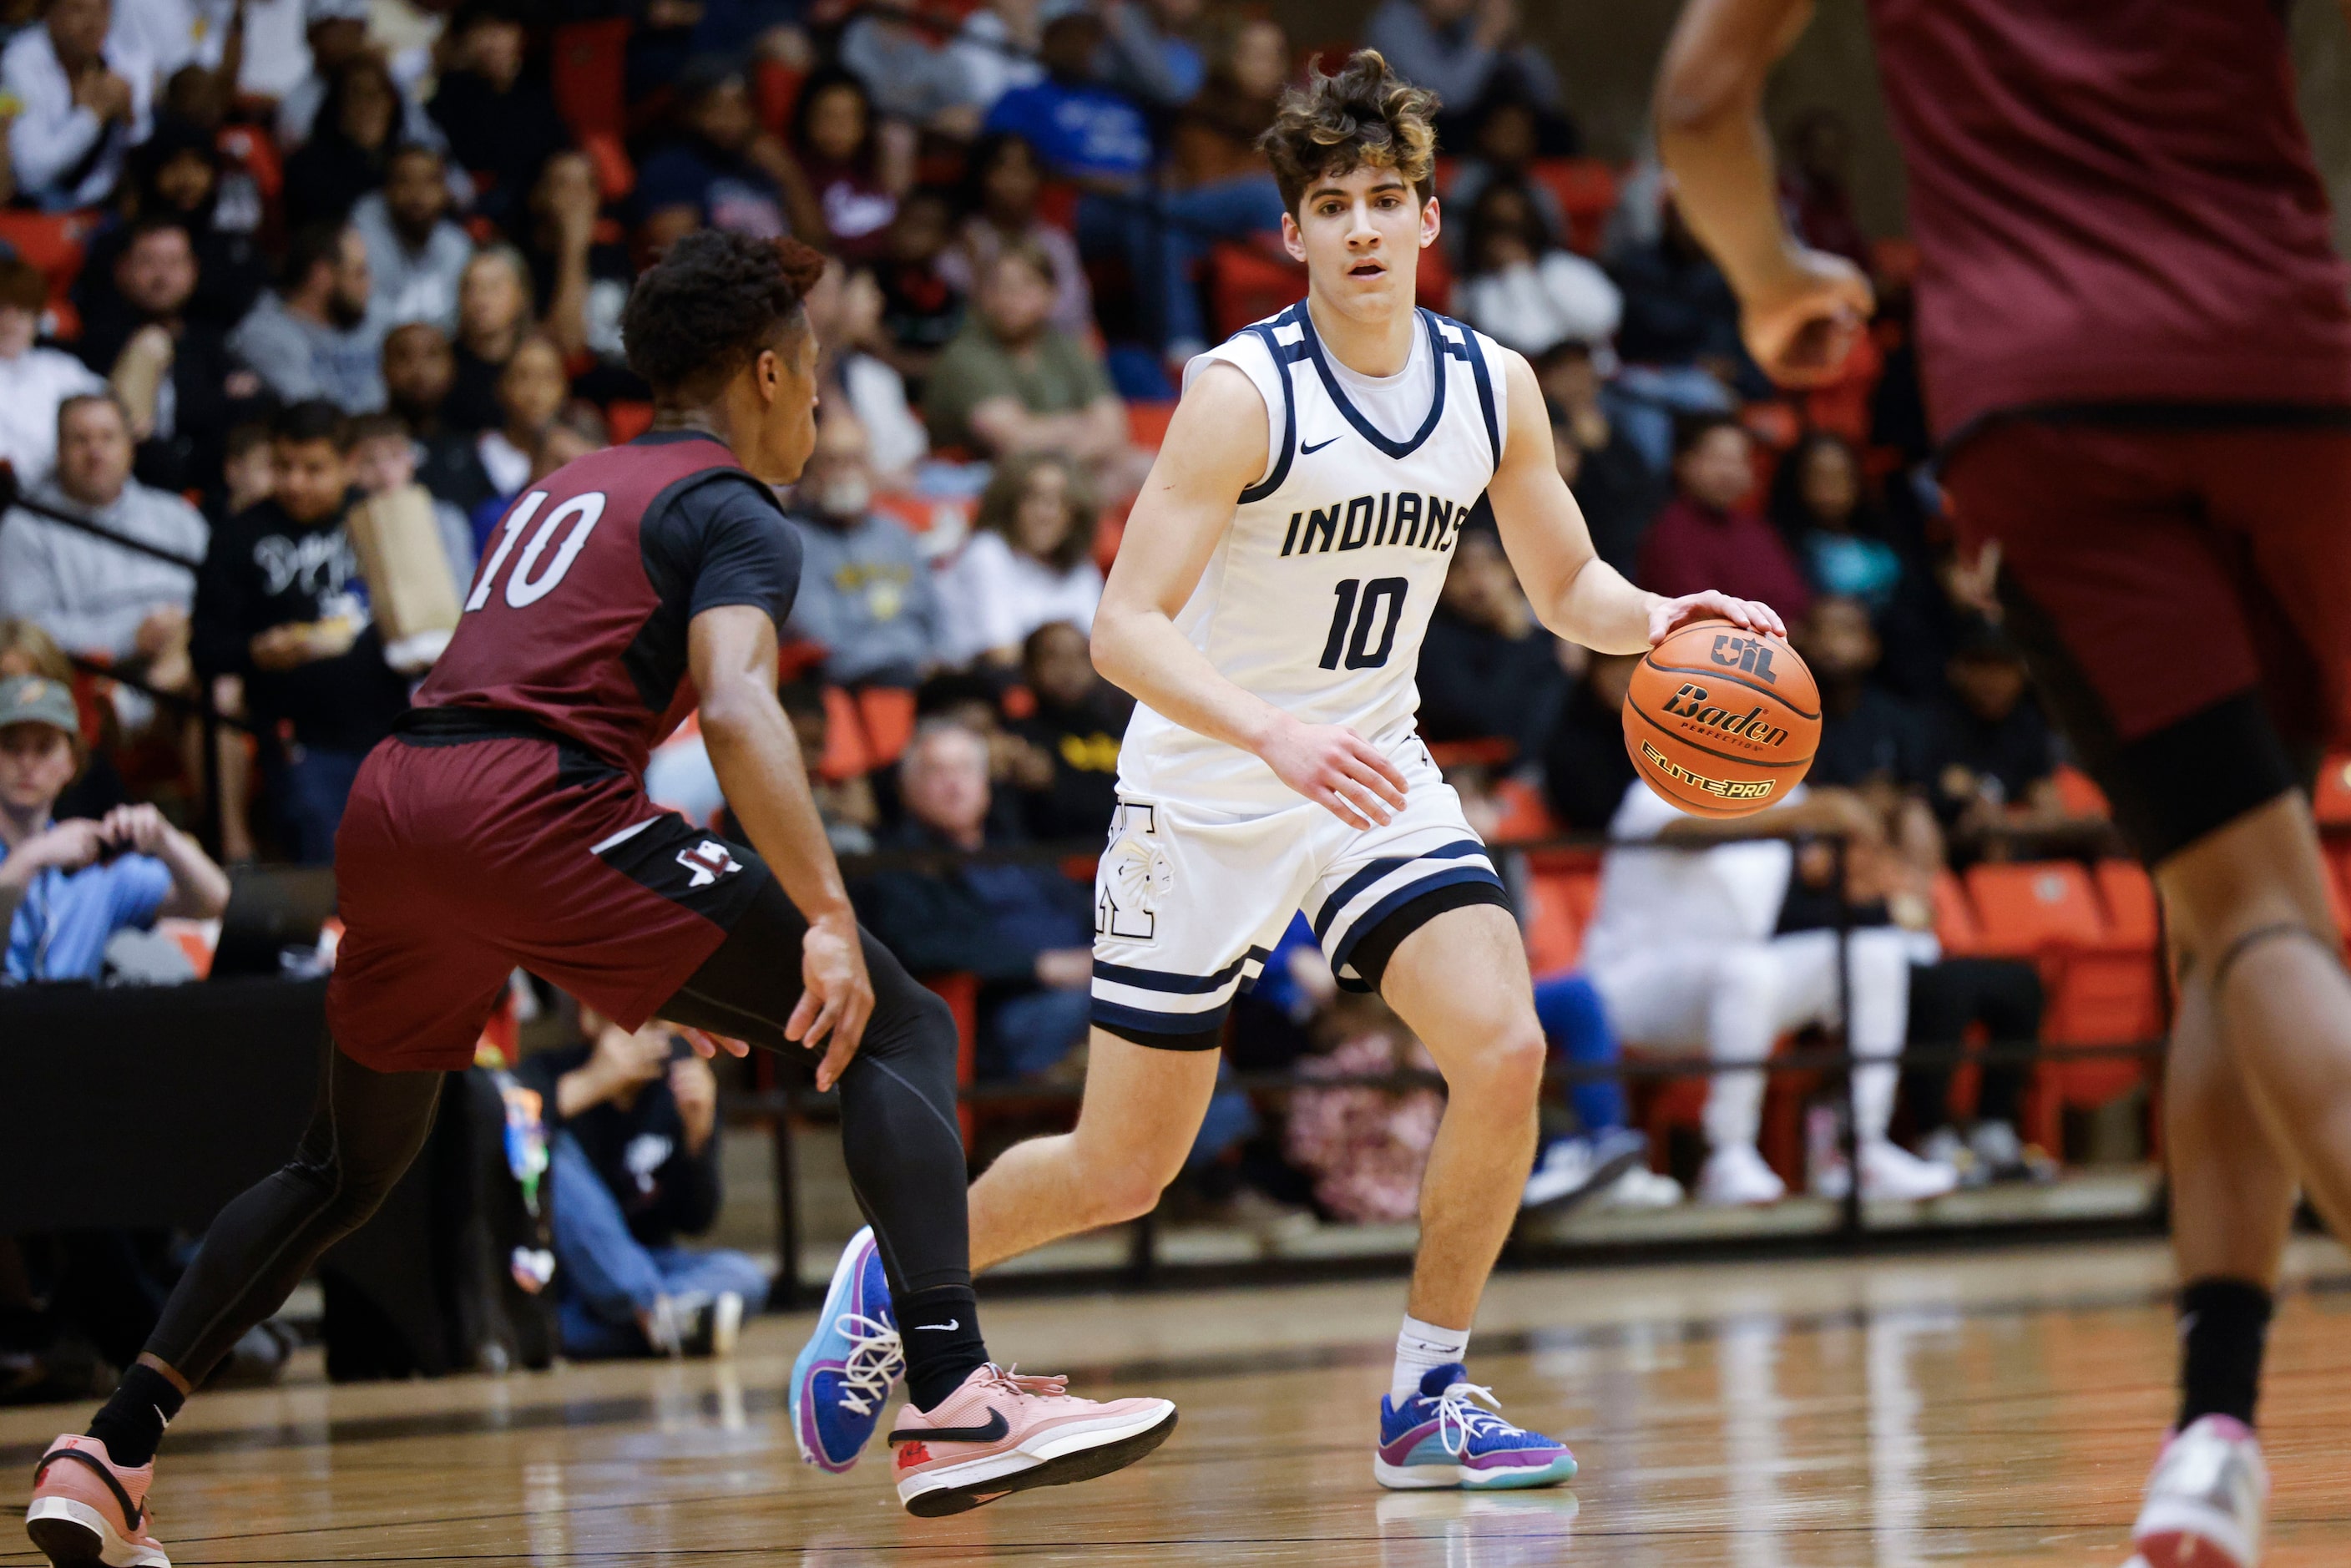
(1267, 610)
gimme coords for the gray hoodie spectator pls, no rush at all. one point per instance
(316, 336)
(866, 590)
(415, 255)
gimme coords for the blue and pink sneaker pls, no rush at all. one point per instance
(845, 1372)
(1439, 1437)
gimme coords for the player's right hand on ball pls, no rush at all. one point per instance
(1800, 325)
(1337, 769)
(838, 997)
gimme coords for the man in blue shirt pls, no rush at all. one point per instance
(1084, 132)
(67, 887)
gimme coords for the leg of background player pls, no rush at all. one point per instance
(2231, 1200)
(366, 1128)
(1460, 983)
(2284, 1004)
(1142, 1109)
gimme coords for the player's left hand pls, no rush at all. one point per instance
(1752, 615)
(839, 996)
(1800, 325)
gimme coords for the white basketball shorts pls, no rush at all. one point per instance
(1189, 900)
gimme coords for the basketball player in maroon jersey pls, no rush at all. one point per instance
(506, 825)
(2137, 348)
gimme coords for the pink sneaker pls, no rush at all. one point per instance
(2207, 1501)
(87, 1510)
(999, 1434)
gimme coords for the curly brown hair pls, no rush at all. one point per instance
(1366, 114)
(1000, 505)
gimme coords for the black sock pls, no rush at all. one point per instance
(940, 1328)
(131, 1423)
(2223, 1325)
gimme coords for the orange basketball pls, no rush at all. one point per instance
(1721, 721)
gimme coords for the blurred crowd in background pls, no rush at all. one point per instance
(264, 259)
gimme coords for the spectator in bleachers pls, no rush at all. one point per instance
(415, 252)
(96, 598)
(1215, 186)
(1030, 560)
(248, 472)
(1686, 949)
(1586, 765)
(1615, 484)
(1488, 668)
(1462, 50)
(1520, 288)
(845, 806)
(280, 610)
(584, 280)
(1085, 133)
(178, 382)
(1605, 1159)
(723, 171)
(177, 176)
(26, 650)
(866, 592)
(918, 72)
(1816, 186)
(420, 368)
(316, 336)
(1147, 52)
(500, 118)
(336, 33)
(532, 390)
(1075, 726)
(997, 50)
(1869, 736)
(1003, 179)
(634, 1119)
(349, 154)
(922, 311)
(1011, 382)
(1821, 504)
(67, 887)
(1503, 150)
(1709, 534)
(857, 164)
(2004, 997)
(34, 379)
(1025, 930)
(1678, 335)
(383, 458)
(493, 316)
(1990, 752)
(86, 98)
(844, 311)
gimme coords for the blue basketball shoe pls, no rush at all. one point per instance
(1439, 1437)
(845, 1372)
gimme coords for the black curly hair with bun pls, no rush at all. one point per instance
(708, 308)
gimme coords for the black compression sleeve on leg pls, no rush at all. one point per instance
(2224, 1325)
(366, 1128)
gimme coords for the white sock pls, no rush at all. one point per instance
(1420, 1346)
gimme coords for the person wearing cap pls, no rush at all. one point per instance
(67, 887)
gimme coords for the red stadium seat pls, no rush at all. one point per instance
(1433, 284)
(615, 175)
(591, 77)
(1955, 925)
(2133, 918)
(1246, 284)
(2333, 804)
(1146, 423)
(2080, 794)
(1525, 818)
(961, 994)
(55, 243)
(1585, 189)
(775, 92)
(1560, 906)
(2029, 909)
(628, 419)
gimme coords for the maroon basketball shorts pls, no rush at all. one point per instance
(462, 860)
(2181, 588)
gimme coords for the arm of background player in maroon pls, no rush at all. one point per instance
(732, 650)
(1800, 308)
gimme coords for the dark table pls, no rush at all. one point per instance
(150, 1105)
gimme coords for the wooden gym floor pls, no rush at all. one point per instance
(1990, 1409)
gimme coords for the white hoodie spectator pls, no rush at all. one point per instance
(88, 99)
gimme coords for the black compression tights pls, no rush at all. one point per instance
(903, 1143)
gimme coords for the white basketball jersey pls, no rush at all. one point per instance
(1317, 597)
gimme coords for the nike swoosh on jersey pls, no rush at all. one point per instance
(1311, 451)
(996, 1428)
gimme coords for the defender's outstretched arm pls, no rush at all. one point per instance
(1575, 594)
(1216, 449)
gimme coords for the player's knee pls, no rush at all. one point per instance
(1507, 1074)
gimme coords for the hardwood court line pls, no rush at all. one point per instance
(613, 1410)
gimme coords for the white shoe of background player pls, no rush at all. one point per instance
(1734, 1175)
(2207, 1500)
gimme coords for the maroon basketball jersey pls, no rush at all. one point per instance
(577, 617)
(2115, 203)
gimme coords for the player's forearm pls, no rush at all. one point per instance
(757, 760)
(1140, 652)
(1712, 138)
(1602, 611)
